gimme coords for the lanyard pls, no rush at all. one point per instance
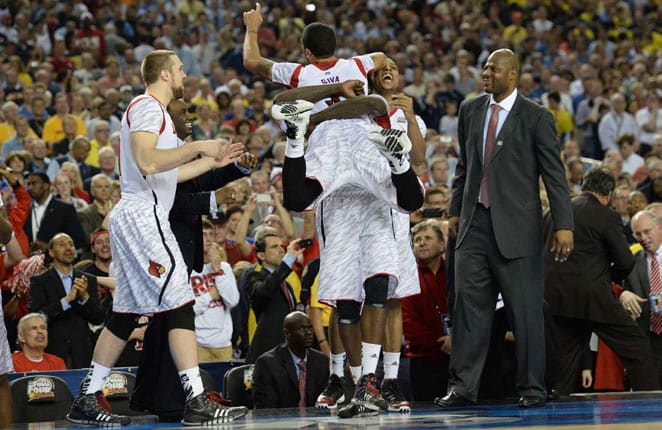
(432, 296)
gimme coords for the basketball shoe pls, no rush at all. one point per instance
(296, 115)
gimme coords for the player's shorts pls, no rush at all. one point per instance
(339, 153)
(357, 241)
(408, 283)
(149, 267)
(6, 363)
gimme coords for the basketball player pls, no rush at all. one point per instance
(335, 166)
(151, 274)
(388, 230)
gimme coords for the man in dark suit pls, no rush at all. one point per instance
(194, 198)
(647, 229)
(70, 300)
(271, 297)
(279, 374)
(579, 291)
(49, 215)
(507, 142)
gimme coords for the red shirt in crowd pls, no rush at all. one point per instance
(422, 315)
(48, 363)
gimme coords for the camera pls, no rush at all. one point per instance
(263, 198)
(305, 243)
(431, 213)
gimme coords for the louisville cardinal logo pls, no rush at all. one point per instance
(155, 269)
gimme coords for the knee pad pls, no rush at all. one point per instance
(349, 312)
(183, 318)
(121, 325)
(376, 291)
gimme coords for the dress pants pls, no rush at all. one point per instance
(481, 272)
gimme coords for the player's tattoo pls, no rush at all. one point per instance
(264, 67)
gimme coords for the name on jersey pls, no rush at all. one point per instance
(331, 80)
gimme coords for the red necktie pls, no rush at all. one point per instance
(656, 288)
(288, 296)
(302, 383)
(490, 140)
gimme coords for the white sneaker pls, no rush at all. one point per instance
(296, 115)
(393, 145)
(390, 140)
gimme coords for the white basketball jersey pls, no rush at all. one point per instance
(295, 75)
(146, 113)
(396, 119)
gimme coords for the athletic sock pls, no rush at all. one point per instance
(95, 378)
(192, 382)
(391, 365)
(356, 373)
(369, 357)
(337, 364)
(294, 148)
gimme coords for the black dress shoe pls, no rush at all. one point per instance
(553, 395)
(452, 400)
(531, 402)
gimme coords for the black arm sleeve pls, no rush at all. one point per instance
(298, 191)
(408, 190)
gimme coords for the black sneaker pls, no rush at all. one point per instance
(392, 394)
(332, 395)
(93, 409)
(367, 394)
(204, 410)
(354, 410)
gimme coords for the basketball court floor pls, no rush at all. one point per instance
(613, 411)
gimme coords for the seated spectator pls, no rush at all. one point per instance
(216, 294)
(291, 374)
(33, 337)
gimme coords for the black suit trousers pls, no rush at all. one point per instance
(481, 272)
(623, 336)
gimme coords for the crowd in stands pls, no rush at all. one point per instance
(68, 71)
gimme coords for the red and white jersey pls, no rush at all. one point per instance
(294, 75)
(396, 119)
(146, 113)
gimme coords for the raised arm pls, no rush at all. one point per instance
(253, 60)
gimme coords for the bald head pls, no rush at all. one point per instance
(506, 57)
(501, 73)
(294, 320)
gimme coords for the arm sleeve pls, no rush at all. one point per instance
(284, 74)
(226, 285)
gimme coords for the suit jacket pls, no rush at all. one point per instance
(60, 217)
(68, 333)
(270, 306)
(526, 148)
(581, 286)
(192, 201)
(275, 381)
(638, 282)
